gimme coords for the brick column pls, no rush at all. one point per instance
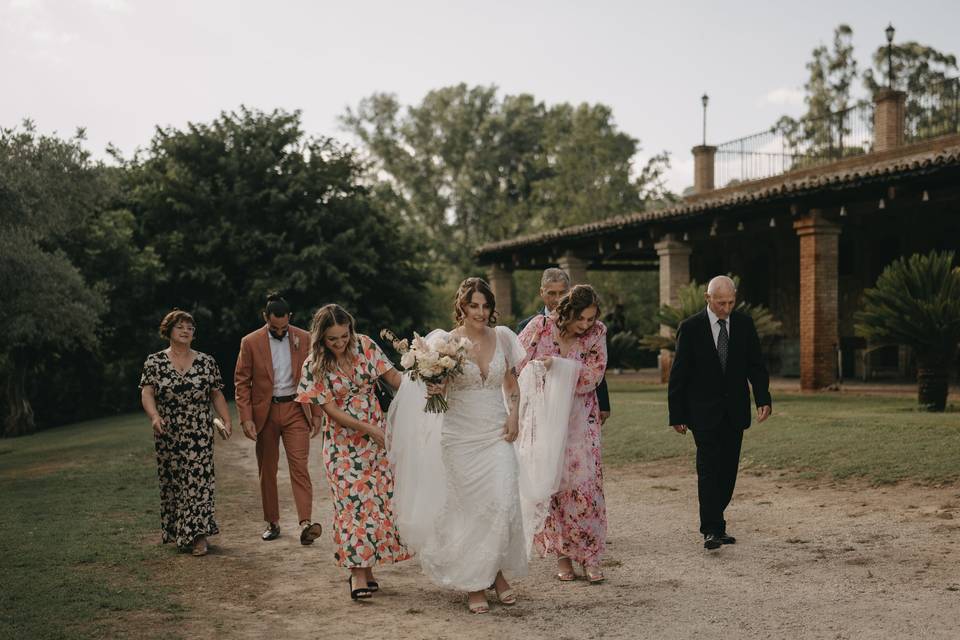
(501, 281)
(819, 249)
(575, 266)
(674, 273)
(889, 119)
(703, 156)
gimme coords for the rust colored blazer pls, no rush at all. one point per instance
(253, 377)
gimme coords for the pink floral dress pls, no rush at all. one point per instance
(357, 469)
(577, 524)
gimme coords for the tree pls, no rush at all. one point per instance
(929, 78)
(470, 166)
(48, 189)
(916, 302)
(822, 130)
(691, 301)
(247, 204)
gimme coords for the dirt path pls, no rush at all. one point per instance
(812, 561)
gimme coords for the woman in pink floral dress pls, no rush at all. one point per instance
(340, 374)
(576, 529)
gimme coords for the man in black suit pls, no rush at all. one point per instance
(554, 284)
(718, 352)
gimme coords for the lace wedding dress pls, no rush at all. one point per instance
(457, 482)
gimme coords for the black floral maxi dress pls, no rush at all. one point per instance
(185, 450)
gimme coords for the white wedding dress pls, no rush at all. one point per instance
(457, 496)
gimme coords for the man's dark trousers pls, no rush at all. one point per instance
(718, 457)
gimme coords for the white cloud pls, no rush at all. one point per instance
(117, 6)
(24, 5)
(50, 37)
(784, 95)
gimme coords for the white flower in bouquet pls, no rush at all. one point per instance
(434, 361)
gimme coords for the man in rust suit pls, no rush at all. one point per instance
(266, 378)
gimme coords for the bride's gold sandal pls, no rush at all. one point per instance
(507, 597)
(478, 607)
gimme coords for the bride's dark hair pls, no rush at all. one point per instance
(467, 288)
(581, 297)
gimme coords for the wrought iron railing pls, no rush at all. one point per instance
(795, 144)
(935, 112)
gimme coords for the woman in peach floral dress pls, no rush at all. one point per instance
(576, 528)
(340, 374)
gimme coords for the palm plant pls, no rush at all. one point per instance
(691, 301)
(624, 351)
(916, 302)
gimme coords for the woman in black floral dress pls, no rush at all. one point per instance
(177, 386)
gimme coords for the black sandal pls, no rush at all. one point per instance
(359, 594)
(373, 585)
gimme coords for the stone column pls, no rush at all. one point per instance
(889, 119)
(819, 336)
(703, 156)
(575, 266)
(501, 281)
(674, 259)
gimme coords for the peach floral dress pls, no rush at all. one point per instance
(357, 469)
(577, 524)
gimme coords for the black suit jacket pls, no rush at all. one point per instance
(700, 393)
(603, 394)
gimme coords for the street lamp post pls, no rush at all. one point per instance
(705, 99)
(890, 31)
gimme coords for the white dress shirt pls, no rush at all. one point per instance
(282, 367)
(715, 326)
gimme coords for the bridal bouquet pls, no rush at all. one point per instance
(433, 361)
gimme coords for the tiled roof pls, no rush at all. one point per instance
(837, 175)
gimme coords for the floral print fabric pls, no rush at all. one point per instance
(185, 450)
(356, 466)
(577, 524)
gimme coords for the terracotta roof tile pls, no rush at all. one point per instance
(788, 184)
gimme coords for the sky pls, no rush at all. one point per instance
(119, 68)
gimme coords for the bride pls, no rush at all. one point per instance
(463, 517)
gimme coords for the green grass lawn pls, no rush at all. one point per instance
(881, 439)
(75, 506)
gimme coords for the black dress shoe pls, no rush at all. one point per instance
(725, 539)
(711, 541)
(272, 532)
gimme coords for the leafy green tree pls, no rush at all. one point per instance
(470, 167)
(247, 204)
(692, 301)
(916, 302)
(820, 132)
(929, 78)
(48, 188)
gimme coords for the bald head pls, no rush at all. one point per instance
(721, 296)
(721, 284)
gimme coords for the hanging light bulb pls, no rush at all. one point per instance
(616, 246)
(640, 243)
(926, 196)
(773, 223)
(740, 226)
(843, 211)
(713, 228)
(882, 205)
(686, 236)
